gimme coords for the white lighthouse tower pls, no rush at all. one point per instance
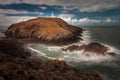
(52, 14)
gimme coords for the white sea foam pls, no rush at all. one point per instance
(36, 53)
(54, 48)
(104, 76)
(86, 39)
(112, 49)
(77, 57)
(86, 36)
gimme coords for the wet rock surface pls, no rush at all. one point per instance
(74, 47)
(95, 47)
(15, 67)
(91, 48)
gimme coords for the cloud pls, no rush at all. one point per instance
(27, 1)
(43, 7)
(65, 9)
(66, 15)
(10, 11)
(69, 8)
(99, 7)
(7, 21)
(82, 5)
(87, 21)
(108, 20)
(22, 6)
(70, 18)
(91, 5)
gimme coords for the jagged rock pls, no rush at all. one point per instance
(74, 47)
(91, 48)
(46, 30)
(95, 47)
(111, 53)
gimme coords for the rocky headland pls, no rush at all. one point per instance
(53, 31)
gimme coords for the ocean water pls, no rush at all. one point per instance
(109, 70)
(107, 66)
(108, 35)
(2, 29)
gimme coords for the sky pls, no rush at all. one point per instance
(75, 12)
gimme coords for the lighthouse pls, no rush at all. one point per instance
(52, 14)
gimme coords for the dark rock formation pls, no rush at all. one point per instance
(14, 67)
(95, 47)
(98, 49)
(13, 48)
(46, 30)
(74, 47)
(92, 48)
(111, 53)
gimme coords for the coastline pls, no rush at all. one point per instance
(24, 67)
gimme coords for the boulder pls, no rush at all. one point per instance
(95, 47)
(45, 30)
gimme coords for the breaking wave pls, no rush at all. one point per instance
(55, 52)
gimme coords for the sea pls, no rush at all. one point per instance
(108, 67)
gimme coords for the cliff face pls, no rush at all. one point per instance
(51, 30)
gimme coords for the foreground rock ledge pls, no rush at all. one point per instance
(46, 30)
(15, 67)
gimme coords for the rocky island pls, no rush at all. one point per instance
(46, 30)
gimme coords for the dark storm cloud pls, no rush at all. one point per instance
(92, 5)
(21, 7)
(82, 5)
